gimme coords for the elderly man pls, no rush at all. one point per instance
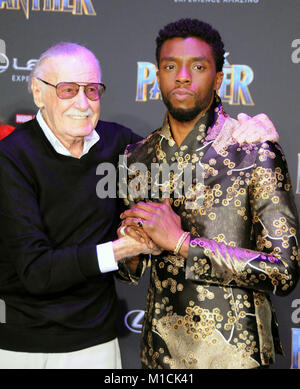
(54, 272)
(229, 238)
(58, 249)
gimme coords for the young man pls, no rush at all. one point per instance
(229, 238)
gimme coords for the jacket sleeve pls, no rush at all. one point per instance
(127, 276)
(41, 267)
(273, 266)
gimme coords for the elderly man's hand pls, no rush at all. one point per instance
(138, 234)
(256, 129)
(159, 221)
(127, 247)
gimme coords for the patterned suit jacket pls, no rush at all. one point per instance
(213, 309)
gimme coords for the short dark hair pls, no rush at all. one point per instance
(184, 28)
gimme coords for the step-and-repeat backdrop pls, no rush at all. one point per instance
(262, 69)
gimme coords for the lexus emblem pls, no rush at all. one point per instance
(134, 320)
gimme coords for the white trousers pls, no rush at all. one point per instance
(103, 356)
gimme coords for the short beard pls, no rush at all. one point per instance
(187, 115)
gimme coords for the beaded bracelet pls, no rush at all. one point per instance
(180, 242)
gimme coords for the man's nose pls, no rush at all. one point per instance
(81, 100)
(183, 75)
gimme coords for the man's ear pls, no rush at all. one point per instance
(37, 91)
(158, 79)
(218, 80)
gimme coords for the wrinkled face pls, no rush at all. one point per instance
(70, 118)
(187, 77)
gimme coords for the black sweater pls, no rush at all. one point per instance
(51, 220)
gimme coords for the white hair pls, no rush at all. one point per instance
(62, 48)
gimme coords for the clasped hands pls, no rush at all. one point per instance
(154, 224)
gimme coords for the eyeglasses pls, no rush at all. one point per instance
(68, 90)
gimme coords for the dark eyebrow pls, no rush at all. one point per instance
(201, 58)
(168, 59)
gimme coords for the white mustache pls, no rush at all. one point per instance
(76, 112)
